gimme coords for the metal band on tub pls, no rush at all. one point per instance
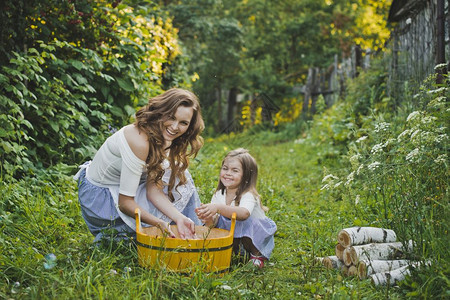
(184, 249)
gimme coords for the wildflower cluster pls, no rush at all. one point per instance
(398, 167)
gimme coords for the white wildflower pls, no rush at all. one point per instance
(420, 137)
(377, 148)
(15, 287)
(383, 126)
(412, 155)
(355, 157)
(361, 139)
(112, 272)
(350, 178)
(373, 166)
(388, 142)
(436, 91)
(441, 129)
(325, 187)
(244, 292)
(337, 184)
(428, 119)
(329, 176)
(438, 102)
(441, 159)
(226, 287)
(414, 134)
(441, 138)
(440, 66)
(413, 116)
(403, 134)
(360, 169)
(357, 199)
(429, 136)
(354, 160)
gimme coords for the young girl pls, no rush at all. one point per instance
(236, 193)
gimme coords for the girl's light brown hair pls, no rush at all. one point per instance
(150, 119)
(249, 175)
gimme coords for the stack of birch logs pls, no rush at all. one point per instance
(371, 252)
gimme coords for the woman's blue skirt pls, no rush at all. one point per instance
(103, 218)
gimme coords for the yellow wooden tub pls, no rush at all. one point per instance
(210, 251)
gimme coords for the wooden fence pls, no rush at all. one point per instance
(330, 82)
(420, 40)
(418, 43)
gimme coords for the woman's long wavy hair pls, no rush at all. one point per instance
(150, 119)
(249, 175)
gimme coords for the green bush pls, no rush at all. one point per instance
(51, 107)
(59, 99)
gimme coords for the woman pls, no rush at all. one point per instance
(144, 165)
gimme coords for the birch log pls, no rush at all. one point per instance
(339, 251)
(364, 235)
(375, 251)
(344, 270)
(369, 267)
(390, 278)
(347, 256)
(332, 262)
(352, 271)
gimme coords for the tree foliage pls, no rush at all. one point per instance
(70, 70)
(269, 45)
(73, 71)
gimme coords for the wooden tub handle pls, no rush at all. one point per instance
(233, 224)
(137, 216)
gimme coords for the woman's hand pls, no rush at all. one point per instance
(186, 228)
(206, 211)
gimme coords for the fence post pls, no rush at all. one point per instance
(307, 93)
(315, 90)
(440, 55)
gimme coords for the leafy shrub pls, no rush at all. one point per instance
(368, 91)
(60, 99)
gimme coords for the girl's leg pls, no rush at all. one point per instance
(248, 245)
(256, 258)
(236, 247)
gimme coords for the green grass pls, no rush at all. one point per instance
(42, 216)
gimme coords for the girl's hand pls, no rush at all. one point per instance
(186, 228)
(210, 222)
(206, 211)
(165, 228)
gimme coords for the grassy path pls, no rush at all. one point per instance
(307, 219)
(41, 216)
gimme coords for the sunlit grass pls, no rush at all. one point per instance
(40, 217)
